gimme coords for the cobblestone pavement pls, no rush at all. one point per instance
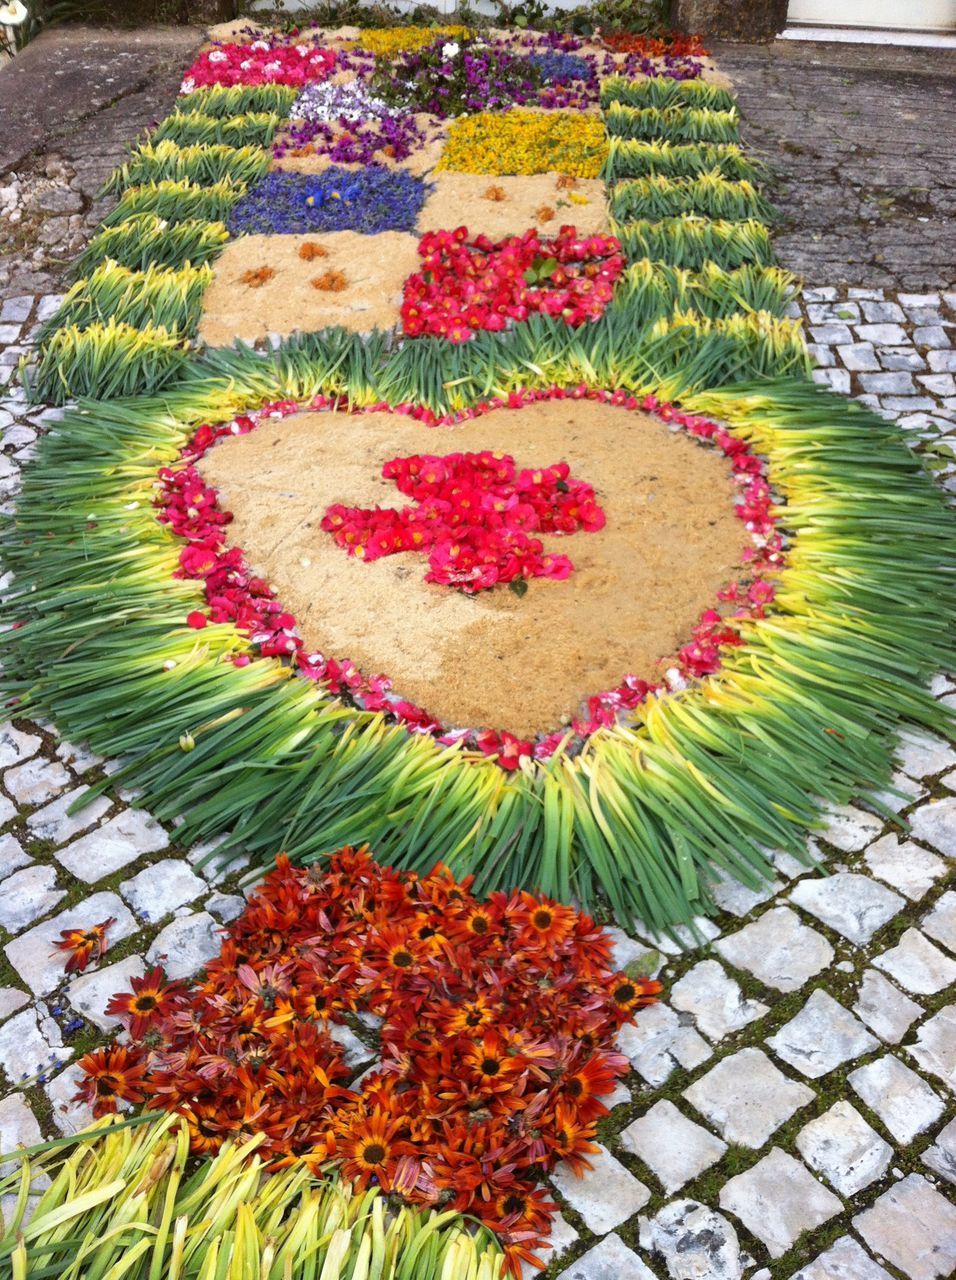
(865, 182)
(790, 1110)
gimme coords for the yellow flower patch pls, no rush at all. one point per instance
(399, 39)
(521, 141)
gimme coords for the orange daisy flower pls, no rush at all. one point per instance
(151, 1000)
(114, 1074)
(84, 944)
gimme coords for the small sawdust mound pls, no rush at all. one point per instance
(256, 277)
(331, 282)
(493, 660)
(364, 275)
(517, 204)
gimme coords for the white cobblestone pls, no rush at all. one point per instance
(746, 1098)
(715, 1000)
(821, 1037)
(162, 887)
(903, 1100)
(675, 1149)
(858, 356)
(27, 895)
(906, 866)
(36, 781)
(609, 1260)
(941, 1156)
(16, 746)
(884, 1008)
(740, 899)
(849, 828)
(853, 905)
(18, 1126)
(923, 755)
(25, 1051)
(778, 948)
(12, 855)
(11, 999)
(90, 993)
(54, 823)
(778, 1200)
(913, 1227)
(846, 1150)
(658, 1044)
(562, 1236)
(884, 335)
(114, 845)
(845, 1260)
(935, 1047)
(917, 964)
(30, 954)
(69, 1116)
(607, 1197)
(187, 945)
(940, 923)
(936, 824)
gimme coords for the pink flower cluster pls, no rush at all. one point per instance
(475, 518)
(470, 284)
(234, 595)
(261, 62)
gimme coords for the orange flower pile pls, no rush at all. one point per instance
(497, 1024)
(673, 43)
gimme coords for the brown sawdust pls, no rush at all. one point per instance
(639, 585)
(463, 198)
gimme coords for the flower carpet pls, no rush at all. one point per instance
(293, 200)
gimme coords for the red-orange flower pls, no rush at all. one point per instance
(151, 1000)
(114, 1074)
(84, 944)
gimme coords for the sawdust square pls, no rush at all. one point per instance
(266, 284)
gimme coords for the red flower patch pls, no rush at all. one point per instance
(262, 62)
(498, 1021)
(466, 285)
(475, 518)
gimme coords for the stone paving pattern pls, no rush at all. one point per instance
(790, 1108)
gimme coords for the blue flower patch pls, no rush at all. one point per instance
(367, 200)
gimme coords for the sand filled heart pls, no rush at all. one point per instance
(523, 664)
